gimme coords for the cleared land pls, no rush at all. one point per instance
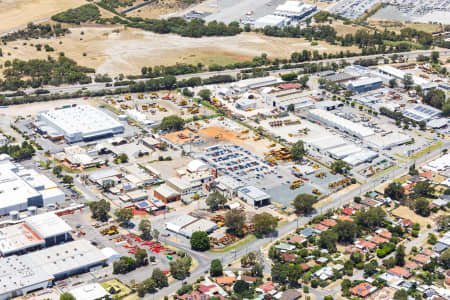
(128, 50)
(17, 13)
(405, 212)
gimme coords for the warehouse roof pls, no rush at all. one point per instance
(17, 237)
(67, 257)
(326, 142)
(179, 222)
(197, 165)
(20, 272)
(360, 157)
(199, 225)
(254, 193)
(104, 173)
(344, 124)
(439, 164)
(344, 151)
(364, 81)
(389, 140)
(178, 183)
(166, 191)
(421, 112)
(92, 291)
(13, 188)
(81, 118)
(48, 225)
(227, 183)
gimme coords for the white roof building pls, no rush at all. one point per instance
(342, 124)
(271, 20)
(197, 165)
(20, 188)
(92, 291)
(48, 225)
(399, 74)
(254, 196)
(111, 255)
(389, 140)
(421, 112)
(81, 122)
(294, 9)
(17, 238)
(252, 83)
(360, 157)
(440, 164)
(325, 142)
(343, 151)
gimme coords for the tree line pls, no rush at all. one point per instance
(84, 13)
(43, 72)
(33, 31)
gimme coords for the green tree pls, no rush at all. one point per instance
(241, 287)
(141, 257)
(67, 179)
(393, 83)
(100, 210)
(435, 57)
(339, 166)
(200, 241)
(346, 231)
(423, 189)
(408, 81)
(304, 81)
(123, 158)
(205, 94)
(171, 123)
(370, 219)
(327, 240)
(124, 215)
(445, 257)
(370, 267)
(57, 170)
(67, 296)
(264, 223)
(180, 268)
(435, 98)
(422, 207)
(159, 278)
(400, 256)
(234, 220)
(395, 191)
(298, 150)
(145, 227)
(124, 265)
(401, 295)
(289, 76)
(303, 203)
(216, 200)
(216, 268)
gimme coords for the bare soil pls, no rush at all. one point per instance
(17, 13)
(128, 50)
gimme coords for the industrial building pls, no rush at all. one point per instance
(295, 10)
(272, 21)
(166, 194)
(342, 124)
(253, 83)
(360, 157)
(254, 196)
(81, 123)
(343, 151)
(388, 140)
(421, 112)
(36, 270)
(227, 185)
(50, 228)
(68, 259)
(19, 238)
(246, 104)
(185, 225)
(91, 291)
(285, 98)
(392, 72)
(22, 188)
(325, 142)
(364, 84)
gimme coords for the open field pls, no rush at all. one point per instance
(17, 13)
(405, 212)
(127, 51)
(398, 25)
(158, 9)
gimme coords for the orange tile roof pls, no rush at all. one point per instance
(267, 286)
(426, 174)
(345, 218)
(421, 259)
(399, 271)
(378, 240)
(320, 227)
(329, 222)
(366, 244)
(386, 234)
(225, 280)
(410, 265)
(363, 289)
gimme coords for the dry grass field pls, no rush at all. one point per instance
(128, 50)
(17, 13)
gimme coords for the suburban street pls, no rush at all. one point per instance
(97, 86)
(204, 259)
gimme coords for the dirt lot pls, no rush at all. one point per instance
(17, 13)
(34, 108)
(405, 212)
(128, 50)
(158, 9)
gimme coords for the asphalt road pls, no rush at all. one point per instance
(204, 259)
(96, 86)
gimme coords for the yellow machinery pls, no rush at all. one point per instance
(140, 96)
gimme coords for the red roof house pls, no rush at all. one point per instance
(363, 289)
(329, 222)
(348, 211)
(400, 272)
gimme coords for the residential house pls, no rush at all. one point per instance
(225, 280)
(296, 239)
(363, 289)
(378, 240)
(406, 223)
(329, 222)
(307, 232)
(288, 256)
(411, 266)
(399, 272)
(384, 233)
(319, 227)
(370, 202)
(290, 294)
(345, 218)
(421, 259)
(248, 279)
(348, 211)
(283, 247)
(365, 245)
(266, 288)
